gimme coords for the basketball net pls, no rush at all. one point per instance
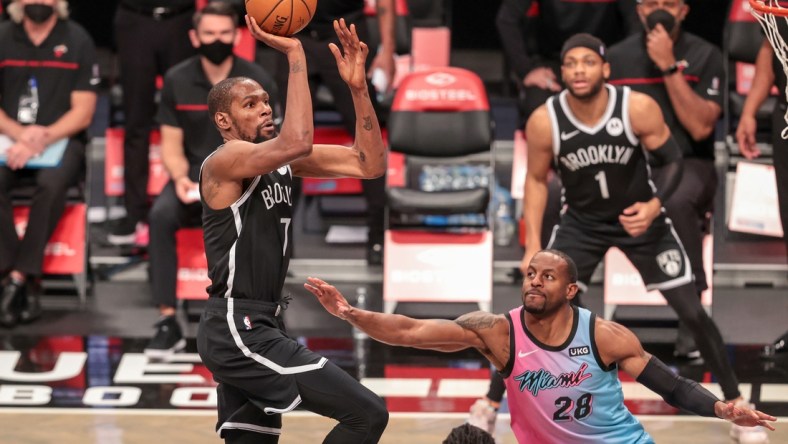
(769, 13)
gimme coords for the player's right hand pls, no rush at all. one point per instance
(279, 43)
(331, 299)
(745, 137)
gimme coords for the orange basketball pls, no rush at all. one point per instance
(281, 17)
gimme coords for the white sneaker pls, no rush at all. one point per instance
(483, 415)
(748, 435)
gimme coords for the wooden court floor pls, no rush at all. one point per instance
(163, 427)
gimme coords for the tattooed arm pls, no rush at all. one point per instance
(487, 332)
(367, 157)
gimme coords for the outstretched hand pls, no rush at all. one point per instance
(331, 299)
(279, 43)
(352, 59)
(744, 416)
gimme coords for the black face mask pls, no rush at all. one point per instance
(38, 13)
(660, 16)
(216, 52)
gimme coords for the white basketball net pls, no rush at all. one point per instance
(768, 21)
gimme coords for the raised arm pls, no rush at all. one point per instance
(538, 133)
(484, 331)
(247, 117)
(367, 157)
(618, 345)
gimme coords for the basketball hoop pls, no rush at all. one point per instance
(767, 13)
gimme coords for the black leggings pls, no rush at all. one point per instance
(332, 392)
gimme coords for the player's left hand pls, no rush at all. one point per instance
(659, 46)
(637, 217)
(331, 299)
(743, 416)
(352, 58)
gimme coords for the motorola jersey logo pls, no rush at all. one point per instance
(614, 127)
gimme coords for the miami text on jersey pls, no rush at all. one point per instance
(534, 381)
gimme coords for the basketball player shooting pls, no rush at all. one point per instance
(559, 361)
(246, 187)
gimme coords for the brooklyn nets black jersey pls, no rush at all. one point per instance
(248, 245)
(603, 168)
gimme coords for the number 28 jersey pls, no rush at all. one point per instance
(565, 394)
(603, 168)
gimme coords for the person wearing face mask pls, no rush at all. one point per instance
(683, 74)
(187, 137)
(151, 37)
(48, 76)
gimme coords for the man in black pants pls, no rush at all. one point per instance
(768, 72)
(152, 36)
(246, 193)
(186, 140)
(315, 39)
(48, 76)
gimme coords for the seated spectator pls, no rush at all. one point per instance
(47, 92)
(187, 138)
(683, 73)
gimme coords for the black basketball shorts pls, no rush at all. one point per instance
(657, 254)
(254, 362)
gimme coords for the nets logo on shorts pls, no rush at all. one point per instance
(670, 262)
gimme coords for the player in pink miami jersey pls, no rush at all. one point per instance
(559, 361)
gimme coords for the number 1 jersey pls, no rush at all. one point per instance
(603, 168)
(565, 394)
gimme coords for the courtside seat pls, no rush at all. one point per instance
(440, 120)
(192, 265)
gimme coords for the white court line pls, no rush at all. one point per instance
(304, 414)
(774, 393)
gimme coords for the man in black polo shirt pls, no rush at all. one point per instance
(47, 93)
(683, 73)
(152, 37)
(187, 138)
(322, 67)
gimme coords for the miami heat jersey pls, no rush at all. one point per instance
(603, 168)
(565, 394)
(248, 245)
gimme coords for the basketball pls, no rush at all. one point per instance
(281, 17)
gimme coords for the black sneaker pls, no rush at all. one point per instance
(12, 294)
(168, 339)
(122, 232)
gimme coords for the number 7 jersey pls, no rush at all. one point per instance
(565, 394)
(248, 245)
(603, 167)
